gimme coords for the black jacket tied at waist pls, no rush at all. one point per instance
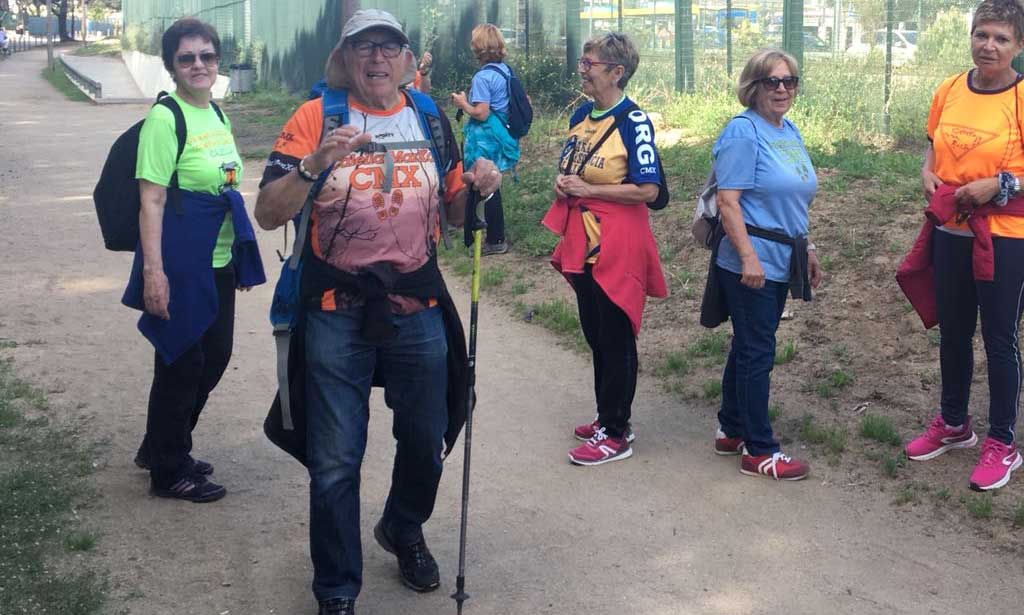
(373, 283)
(713, 308)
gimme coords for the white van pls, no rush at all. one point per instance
(904, 45)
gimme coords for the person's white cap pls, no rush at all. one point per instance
(366, 19)
(361, 21)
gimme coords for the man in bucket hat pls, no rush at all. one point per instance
(377, 310)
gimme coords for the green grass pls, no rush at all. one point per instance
(60, 81)
(833, 438)
(79, 541)
(880, 428)
(559, 316)
(106, 47)
(786, 354)
(39, 494)
(1018, 514)
(676, 364)
(712, 389)
(891, 464)
(942, 494)
(492, 277)
(268, 107)
(519, 288)
(713, 347)
(836, 381)
(906, 495)
(773, 412)
(979, 506)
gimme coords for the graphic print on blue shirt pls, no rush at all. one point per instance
(490, 87)
(771, 166)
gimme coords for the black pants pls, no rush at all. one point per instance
(959, 297)
(180, 390)
(610, 337)
(494, 216)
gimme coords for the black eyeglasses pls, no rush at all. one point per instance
(365, 49)
(586, 64)
(207, 57)
(772, 83)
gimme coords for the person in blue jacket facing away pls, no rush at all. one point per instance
(486, 135)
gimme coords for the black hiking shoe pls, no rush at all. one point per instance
(192, 487)
(338, 606)
(415, 563)
(198, 465)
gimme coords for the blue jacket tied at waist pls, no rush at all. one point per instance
(189, 237)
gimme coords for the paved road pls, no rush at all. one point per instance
(674, 530)
(117, 81)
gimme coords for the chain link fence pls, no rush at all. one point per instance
(868, 66)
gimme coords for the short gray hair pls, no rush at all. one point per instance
(618, 48)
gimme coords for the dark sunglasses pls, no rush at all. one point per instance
(586, 64)
(365, 49)
(772, 83)
(207, 57)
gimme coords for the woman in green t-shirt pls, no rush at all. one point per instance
(208, 165)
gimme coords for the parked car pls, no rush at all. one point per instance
(904, 45)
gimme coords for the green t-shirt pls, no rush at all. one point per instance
(209, 164)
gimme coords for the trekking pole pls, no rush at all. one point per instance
(478, 225)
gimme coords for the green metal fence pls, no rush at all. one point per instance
(878, 60)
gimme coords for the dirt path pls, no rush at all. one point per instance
(673, 530)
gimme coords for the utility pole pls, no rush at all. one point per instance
(49, 33)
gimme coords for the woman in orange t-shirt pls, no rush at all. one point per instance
(975, 133)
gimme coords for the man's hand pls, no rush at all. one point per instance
(484, 177)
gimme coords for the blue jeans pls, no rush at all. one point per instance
(959, 298)
(755, 315)
(340, 369)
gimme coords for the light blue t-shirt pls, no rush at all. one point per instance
(771, 166)
(490, 87)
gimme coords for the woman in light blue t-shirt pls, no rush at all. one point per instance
(486, 135)
(765, 185)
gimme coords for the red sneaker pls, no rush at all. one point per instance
(939, 438)
(997, 462)
(586, 431)
(602, 448)
(777, 466)
(724, 445)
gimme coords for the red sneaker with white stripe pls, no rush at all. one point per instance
(586, 431)
(777, 466)
(724, 445)
(601, 448)
(997, 462)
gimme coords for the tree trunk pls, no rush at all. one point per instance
(62, 19)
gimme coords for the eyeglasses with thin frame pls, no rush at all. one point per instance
(208, 58)
(772, 83)
(586, 64)
(389, 49)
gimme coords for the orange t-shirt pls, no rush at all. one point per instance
(977, 134)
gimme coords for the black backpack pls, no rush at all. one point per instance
(117, 192)
(520, 111)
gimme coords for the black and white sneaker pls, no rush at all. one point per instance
(338, 606)
(416, 565)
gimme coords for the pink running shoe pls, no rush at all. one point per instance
(586, 431)
(602, 448)
(997, 462)
(724, 445)
(939, 438)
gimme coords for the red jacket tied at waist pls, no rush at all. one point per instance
(917, 277)
(628, 269)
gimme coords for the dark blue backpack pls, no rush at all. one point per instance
(520, 111)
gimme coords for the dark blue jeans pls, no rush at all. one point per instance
(958, 298)
(340, 368)
(755, 315)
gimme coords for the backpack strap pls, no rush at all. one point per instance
(430, 121)
(181, 131)
(611, 129)
(335, 113)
